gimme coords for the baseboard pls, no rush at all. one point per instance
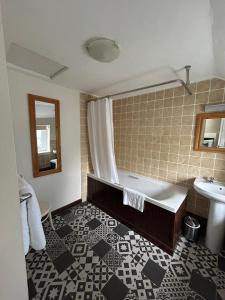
(61, 209)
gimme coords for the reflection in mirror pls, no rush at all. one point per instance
(214, 133)
(45, 133)
(45, 136)
(210, 132)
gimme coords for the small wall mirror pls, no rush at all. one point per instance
(210, 132)
(45, 135)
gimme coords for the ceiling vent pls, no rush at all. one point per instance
(32, 61)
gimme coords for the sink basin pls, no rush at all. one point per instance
(215, 192)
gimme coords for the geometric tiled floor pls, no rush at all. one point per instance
(90, 255)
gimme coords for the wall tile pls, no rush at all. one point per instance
(162, 132)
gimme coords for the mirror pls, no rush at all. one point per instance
(210, 132)
(45, 135)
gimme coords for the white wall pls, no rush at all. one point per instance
(13, 281)
(60, 188)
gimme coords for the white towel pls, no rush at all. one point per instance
(36, 232)
(133, 198)
(25, 228)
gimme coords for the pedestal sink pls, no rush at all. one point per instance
(215, 192)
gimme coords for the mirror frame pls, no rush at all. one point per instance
(33, 136)
(200, 118)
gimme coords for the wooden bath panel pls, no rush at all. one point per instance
(156, 224)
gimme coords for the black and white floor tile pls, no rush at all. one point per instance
(92, 256)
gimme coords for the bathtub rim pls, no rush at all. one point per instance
(159, 203)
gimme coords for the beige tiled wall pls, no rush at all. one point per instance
(154, 136)
(85, 155)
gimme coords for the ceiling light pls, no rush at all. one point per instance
(102, 49)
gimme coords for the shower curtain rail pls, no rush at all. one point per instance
(184, 84)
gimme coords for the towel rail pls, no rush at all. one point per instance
(25, 197)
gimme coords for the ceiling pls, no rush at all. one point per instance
(157, 38)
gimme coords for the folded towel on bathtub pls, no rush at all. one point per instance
(133, 198)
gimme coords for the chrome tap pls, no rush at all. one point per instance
(211, 179)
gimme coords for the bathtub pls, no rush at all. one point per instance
(164, 208)
(160, 193)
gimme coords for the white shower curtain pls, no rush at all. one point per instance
(221, 141)
(101, 139)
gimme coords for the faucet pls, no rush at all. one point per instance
(211, 179)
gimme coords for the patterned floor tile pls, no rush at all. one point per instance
(55, 250)
(154, 272)
(112, 238)
(201, 259)
(91, 239)
(144, 288)
(31, 288)
(36, 260)
(70, 239)
(100, 275)
(221, 261)
(139, 260)
(79, 227)
(101, 248)
(74, 270)
(42, 271)
(219, 279)
(203, 286)
(128, 274)
(93, 256)
(58, 222)
(172, 288)
(51, 238)
(85, 288)
(79, 249)
(89, 261)
(68, 217)
(93, 224)
(179, 270)
(63, 261)
(132, 237)
(144, 246)
(182, 249)
(115, 289)
(106, 219)
(113, 259)
(131, 295)
(81, 211)
(111, 223)
(98, 296)
(121, 229)
(102, 231)
(60, 288)
(124, 248)
(79, 221)
(47, 228)
(159, 256)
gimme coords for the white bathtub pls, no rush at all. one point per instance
(163, 194)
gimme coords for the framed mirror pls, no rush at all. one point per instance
(210, 132)
(44, 116)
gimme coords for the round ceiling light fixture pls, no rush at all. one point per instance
(102, 49)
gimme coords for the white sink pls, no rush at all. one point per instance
(215, 192)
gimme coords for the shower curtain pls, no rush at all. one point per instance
(101, 139)
(221, 141)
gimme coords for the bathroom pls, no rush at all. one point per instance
(155, 98)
